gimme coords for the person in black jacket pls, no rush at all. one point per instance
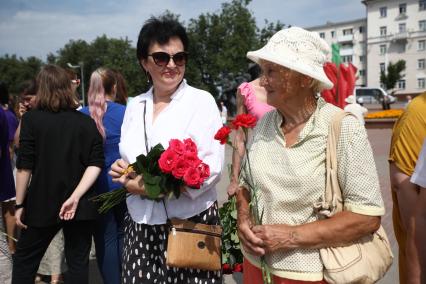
(60, 157)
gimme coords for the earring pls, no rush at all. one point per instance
(148, 77)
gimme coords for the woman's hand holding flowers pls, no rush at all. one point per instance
(122, 173)
(251, 243)
(275, 237)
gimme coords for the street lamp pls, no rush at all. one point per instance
(81, 65)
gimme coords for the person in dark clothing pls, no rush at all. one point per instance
(61, 152)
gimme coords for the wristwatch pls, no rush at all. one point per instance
(19, 206)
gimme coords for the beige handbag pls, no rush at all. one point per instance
(194, 245)
(364, 261)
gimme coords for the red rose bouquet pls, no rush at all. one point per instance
(165, 173)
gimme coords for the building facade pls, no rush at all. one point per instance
(397, 30)
(393, 30)
(351, 37)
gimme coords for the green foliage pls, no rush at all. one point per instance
(393, 74)
(219, 43)
(13, 70)
(231, 252)
(106, 52)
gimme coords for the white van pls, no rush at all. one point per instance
(368, 95)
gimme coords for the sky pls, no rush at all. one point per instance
(39, 27)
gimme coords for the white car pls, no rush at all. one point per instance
(369, 95)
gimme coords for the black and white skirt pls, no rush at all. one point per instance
(145, 250)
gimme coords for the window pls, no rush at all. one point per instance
(362, 58)
(347, 32)
(401, 84)
(333, 34)
(383, 49)
(422, 5)
(402, 27)
(347, 58)
(422, 26)
(421, 83)
(362, 72)
(403, 8)
(383, 31)
(383, 12)
(361, 29)
(382, 67)
(421, 45)
(322, 35)
(421, 63)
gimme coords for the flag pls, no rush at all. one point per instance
(343, 78)
(335, 54)
(330, 70)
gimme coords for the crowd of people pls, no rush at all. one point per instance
(63, 154)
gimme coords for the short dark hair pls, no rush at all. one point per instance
(54, 89)
(4, 94)
(159, 30)
(28, 87)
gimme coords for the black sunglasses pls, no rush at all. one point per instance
(163, 58)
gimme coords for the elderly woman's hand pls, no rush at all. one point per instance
(232, 189)
(275, 237)
(251, 243)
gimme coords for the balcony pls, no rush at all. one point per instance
(346, 52)
(401, 36)
(345, 38)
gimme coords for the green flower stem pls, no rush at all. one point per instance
(254, 208)
(110, 199)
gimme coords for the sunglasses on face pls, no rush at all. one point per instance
(163, 58)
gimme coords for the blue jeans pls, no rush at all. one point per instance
(109, 234)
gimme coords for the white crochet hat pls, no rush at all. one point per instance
(299, 50)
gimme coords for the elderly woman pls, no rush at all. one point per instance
(171, 109)
(287, 161)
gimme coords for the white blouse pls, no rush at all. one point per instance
(192, 113)
(419, 175)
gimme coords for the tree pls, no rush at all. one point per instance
(217, 61)
(106, 52)
(393, 74)
(218, 46)
(268, 31)
(13, 70)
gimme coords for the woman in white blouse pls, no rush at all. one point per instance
(171, 109)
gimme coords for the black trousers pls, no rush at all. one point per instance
(34, 242)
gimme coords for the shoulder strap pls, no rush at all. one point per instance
(332, 199)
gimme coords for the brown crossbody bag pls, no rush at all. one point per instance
(189, 244)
